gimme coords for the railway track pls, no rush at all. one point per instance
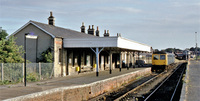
(116, 93)
(167, 90)
(138, 90)
(168, 87)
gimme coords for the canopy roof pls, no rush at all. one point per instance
(106, 42)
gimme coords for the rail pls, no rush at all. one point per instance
(130, 93)
(158, 87)
(118, 92)
(140, 86)
(177, 86)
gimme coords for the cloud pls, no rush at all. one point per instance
(119, 9)
(149, 22)
(184, 4)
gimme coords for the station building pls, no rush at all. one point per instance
(73, 50)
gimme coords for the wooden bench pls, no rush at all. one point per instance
(86, 68)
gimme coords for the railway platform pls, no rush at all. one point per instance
(191, 86)
(63, 88)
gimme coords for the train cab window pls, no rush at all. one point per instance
(162, 57)
(156, 57)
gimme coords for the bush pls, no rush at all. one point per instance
(47, 56)
(32, 77)
(5, 82)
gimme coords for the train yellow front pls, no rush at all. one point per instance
(161, 60)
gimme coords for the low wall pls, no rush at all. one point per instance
(82, 92)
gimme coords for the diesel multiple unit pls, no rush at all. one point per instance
(161, 60)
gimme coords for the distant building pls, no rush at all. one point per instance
(72, 49)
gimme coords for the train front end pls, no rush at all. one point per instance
(159, 62)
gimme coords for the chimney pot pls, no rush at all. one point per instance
(51, 13)
(107, 31)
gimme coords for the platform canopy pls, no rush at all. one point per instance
(106, 42)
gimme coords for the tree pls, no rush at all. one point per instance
(192, 49)
(156, 50)
(3, 35)
(170, 50)
(9, 51)
(47, 56)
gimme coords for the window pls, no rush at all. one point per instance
(162, 57)
(60, 55)
(156, 57)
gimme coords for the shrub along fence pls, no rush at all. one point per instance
(14, 72)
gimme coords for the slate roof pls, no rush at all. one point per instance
(62, 32)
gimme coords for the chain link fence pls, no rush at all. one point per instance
(14, 72)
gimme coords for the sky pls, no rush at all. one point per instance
(158, 23)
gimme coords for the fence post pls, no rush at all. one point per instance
(23, 72)
(2, 78)
(40, 70)
(52, 72)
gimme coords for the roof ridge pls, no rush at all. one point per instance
(60, 31)
(60, 27)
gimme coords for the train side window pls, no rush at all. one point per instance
(162, 57)
(156, 57)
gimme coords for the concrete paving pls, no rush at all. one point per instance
(191, 85)
(11, 91)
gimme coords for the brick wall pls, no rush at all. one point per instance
(57, 64)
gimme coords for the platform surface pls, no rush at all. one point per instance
(191, 85)
(11, 91)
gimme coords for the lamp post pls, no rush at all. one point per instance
(196, 44)
(186, 55)
(30, 36)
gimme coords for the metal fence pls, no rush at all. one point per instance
(15, 71)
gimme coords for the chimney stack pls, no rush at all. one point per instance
(51, 19)
(97, 31)
(91, 31)
(83, 28)
(106, 34)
